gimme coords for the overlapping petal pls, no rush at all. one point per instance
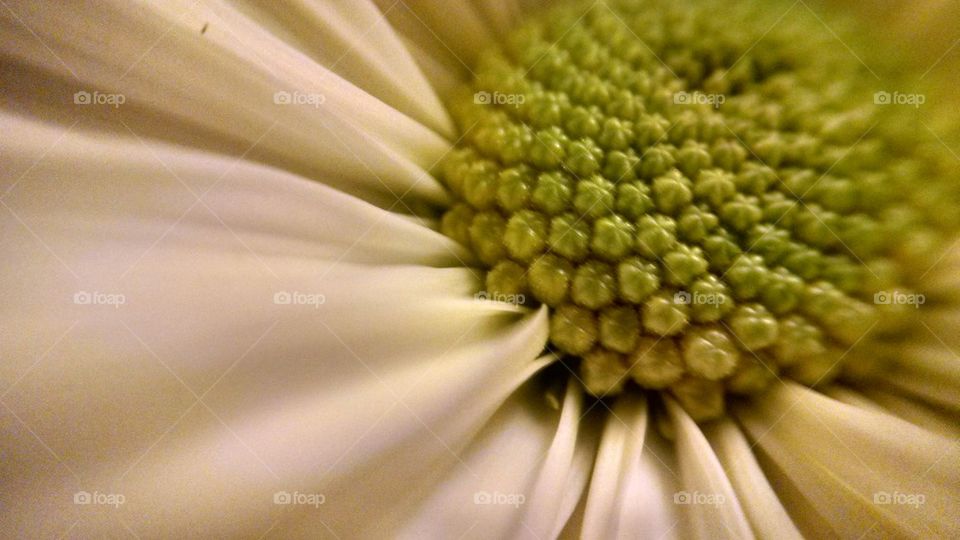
(197, 334)
(207, 75)
(844, 470)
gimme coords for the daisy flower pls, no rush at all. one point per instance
(612, 269)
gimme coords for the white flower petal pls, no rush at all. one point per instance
(513, 479)
(631, 491)
(760, 503)
(914, 412)
(354, 40)
(713, 509)
(647, 508)
(501, 15)
(446, 76)
(292, 398)
(65, 189)
(147, 352)
(428, 24)
(845, 464)
(562, 480)
(851, 397)
(218, 91)
(620, 444)
(931, 373)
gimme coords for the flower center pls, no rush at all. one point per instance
(703, 213)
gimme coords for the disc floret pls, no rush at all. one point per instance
(699, 214)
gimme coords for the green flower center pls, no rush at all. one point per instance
(702, 212)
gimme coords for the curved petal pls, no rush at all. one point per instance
(501, 15)
(647, 509)
(617, 450)
(70, 186)
(562, 480)
(760, 503)
(514, 477)
(234, 88)
(851, 397)
(931, 373)
(308, 411)
(914, 412)
(711, 506)
(354, 40)
(445, 76)
(427, 24)
(631, 489)
(197, 356)
(861, 471)
(943, 278)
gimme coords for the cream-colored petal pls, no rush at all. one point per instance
(647, 508)
(354, 40)
(428, 24)
(501, 15)
(621, 444)
(766, 514)
(73, 187)
(291, 397)
(631, 490)
(861, 472)
(931, 373)
(914, 411)
(513, 479)
(851, 397)
(218, 90)
(86, 213)
(562, 480)
(711, 506)
(446, 76)
(198, 356)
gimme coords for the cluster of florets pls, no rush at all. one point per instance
(698, 216)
